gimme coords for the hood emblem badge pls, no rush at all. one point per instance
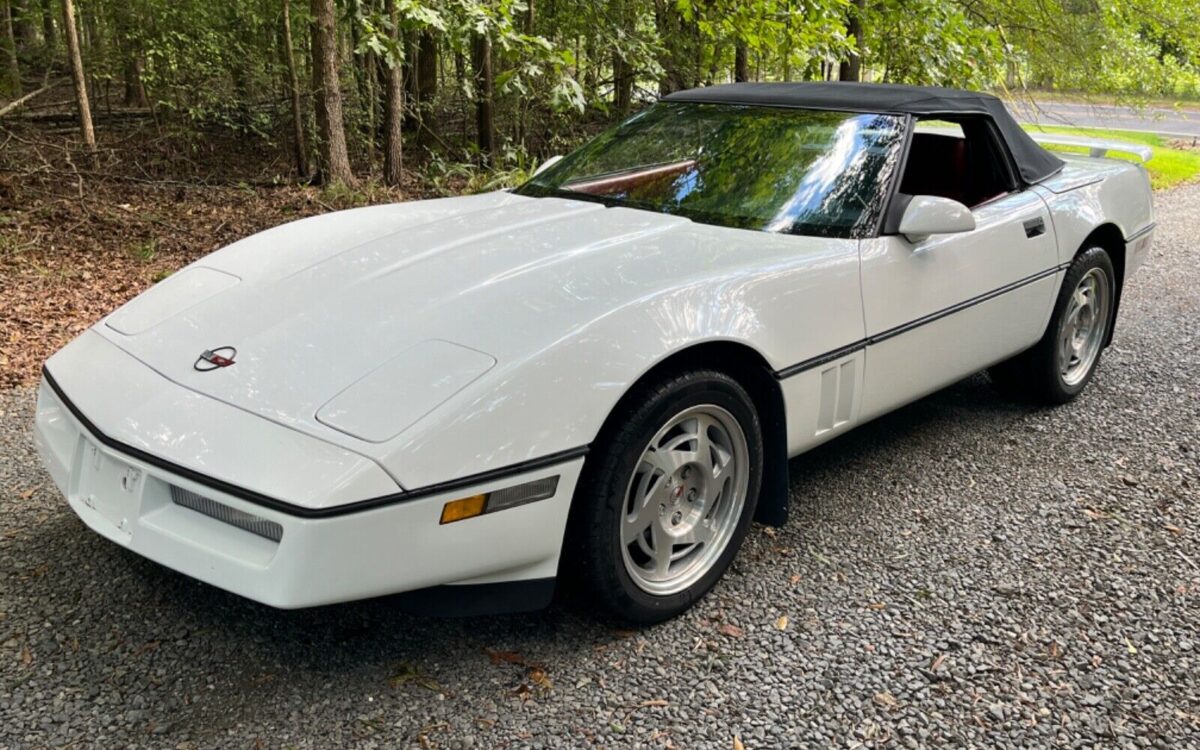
(215, 359)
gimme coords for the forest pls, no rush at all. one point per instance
(350, 90)
(138, 135)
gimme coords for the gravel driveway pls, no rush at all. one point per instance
(965, 572)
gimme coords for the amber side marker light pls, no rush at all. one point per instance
(503, 499)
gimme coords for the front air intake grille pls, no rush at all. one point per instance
(225, 514)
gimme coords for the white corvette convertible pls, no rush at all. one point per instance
(601, 374)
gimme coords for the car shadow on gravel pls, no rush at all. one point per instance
(114, 586)
(973, 401)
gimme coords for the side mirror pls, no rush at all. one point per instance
(547, 164)
(929, 214)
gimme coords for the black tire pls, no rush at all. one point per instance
(592, 554)
(1035, 374)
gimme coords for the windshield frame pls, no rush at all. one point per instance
(879, 207)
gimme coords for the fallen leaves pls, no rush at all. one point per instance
(407, 673)
(731, 630)
(536, 679)
(505, 657)
(66, 261)
(781, 623)
(539, 678)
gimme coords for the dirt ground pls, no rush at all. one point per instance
(76, 241)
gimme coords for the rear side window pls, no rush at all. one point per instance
(961, 160)
(771, 169)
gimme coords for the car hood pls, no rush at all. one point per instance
(409, 301)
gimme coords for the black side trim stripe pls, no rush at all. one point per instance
(820, 359)
(935, 316)
(848, 349)
(1143, 231)
(281, 506)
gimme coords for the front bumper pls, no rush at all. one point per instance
(382, 550)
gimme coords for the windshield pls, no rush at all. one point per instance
(771, 169)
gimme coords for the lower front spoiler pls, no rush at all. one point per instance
(502, 561)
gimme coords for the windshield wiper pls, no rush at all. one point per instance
(539, 191)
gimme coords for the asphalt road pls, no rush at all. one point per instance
(1182, 123)
(967, 572)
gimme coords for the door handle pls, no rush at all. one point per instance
(1035, 227)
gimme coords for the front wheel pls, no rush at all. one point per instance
(667, 496)
(1059, 367)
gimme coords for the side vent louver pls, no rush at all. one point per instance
(837, 396)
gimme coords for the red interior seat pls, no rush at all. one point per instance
(937, 165)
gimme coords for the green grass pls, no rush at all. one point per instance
(1075, 97)
(1168, 167)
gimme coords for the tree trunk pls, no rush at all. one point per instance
(22, 24)
(318, 99)
(49, 35)
(135, 90)
(333, 131)
(412, 55)
(680, 52)
(393, 148)
(131, 56)
(427, 68)
(529, 17)
(93, 38)
(289, 60)
(741, 63)
(81, 95)
(426, 82)
(851, 68)
(363, 65)
(787, 42)
(485, 125)
(622, 84)
(589, 72)
(10, 79)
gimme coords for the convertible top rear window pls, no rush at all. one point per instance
(773, 169)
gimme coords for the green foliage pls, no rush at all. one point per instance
(145, 251)
(940, 44)
(563, 69)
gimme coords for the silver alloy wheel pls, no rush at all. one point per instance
(685, 499)
(1081, 333)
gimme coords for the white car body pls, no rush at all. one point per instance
(394, 358)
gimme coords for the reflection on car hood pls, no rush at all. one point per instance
(315, 305)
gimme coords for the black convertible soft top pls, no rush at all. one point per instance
(1033, 162)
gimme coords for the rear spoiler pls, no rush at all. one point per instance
(1096, 147)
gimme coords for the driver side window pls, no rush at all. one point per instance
(961, 160)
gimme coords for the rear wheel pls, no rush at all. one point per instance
(1060, 366)
(668, 495)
